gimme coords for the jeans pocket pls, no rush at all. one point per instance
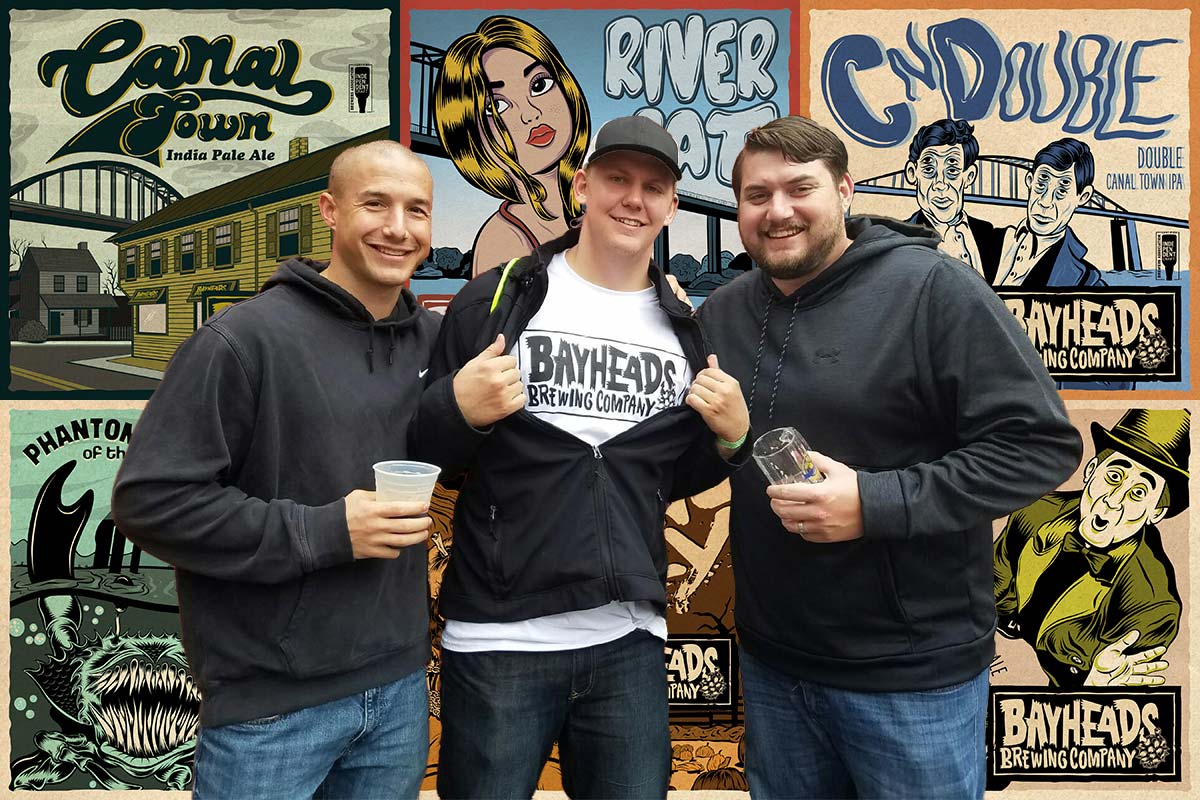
(263, 721)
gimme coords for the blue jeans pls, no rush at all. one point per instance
(606, 705)
(370, 745)
(806, 740)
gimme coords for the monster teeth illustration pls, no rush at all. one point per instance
(130, 695)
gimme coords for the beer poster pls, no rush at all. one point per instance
(162, 161)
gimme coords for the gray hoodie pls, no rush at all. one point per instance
(902, 363)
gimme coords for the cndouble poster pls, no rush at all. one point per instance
(163, 160)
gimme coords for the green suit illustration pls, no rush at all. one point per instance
(1082, 575)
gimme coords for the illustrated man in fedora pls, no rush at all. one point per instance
(1082, 576)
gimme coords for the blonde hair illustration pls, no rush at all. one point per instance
(486, 158)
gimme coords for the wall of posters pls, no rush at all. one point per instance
(163, 161)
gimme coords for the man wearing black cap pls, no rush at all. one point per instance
(577, 395)
(1082, 576)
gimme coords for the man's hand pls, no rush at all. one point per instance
(717, 397)
(379, 529)
(829, 511)
(677, 290)
(1114, 667)
(488, 388)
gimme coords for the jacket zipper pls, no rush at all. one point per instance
(606, 556)
(494, 567)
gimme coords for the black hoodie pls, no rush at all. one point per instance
(266, 418)
(902, 363)
(546, 522)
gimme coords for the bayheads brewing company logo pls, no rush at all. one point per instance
(187, 75)
(700, 671)
(1105, 333)
(1096, 735)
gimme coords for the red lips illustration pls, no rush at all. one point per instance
(541, 136)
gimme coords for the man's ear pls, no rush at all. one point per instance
(674, 208)
(910, 173)
(1089, 469)
(328, 208)
(579, 186)
(846, 191)
(1085, 195)
(969, 176)
(1158, 515)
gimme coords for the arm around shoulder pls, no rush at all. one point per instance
(440, 432)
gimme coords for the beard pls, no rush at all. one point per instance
(812, 260)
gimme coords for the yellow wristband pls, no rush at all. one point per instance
(733, 445)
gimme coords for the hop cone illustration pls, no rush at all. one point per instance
(712, 684)
(1152, 349)
(1152, 749)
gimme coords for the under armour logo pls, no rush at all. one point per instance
(827, 356)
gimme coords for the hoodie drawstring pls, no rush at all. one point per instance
(371, 346)
(392, 343)
(762, 340)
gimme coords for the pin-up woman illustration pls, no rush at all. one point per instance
(515, 122)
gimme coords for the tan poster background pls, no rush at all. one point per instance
(705, 590)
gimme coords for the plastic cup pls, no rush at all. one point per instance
(408, 481)
(782, 455)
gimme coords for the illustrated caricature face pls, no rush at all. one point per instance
(629, 197)
(791, 216)
(380, 213)
(1053, 199)
(941, 181)
(1120, 497)
(532, 106)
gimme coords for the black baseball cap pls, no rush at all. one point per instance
(640, 135)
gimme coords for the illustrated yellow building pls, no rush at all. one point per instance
(203, 252)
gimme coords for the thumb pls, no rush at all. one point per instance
(1129, 638)
(824, 462)
(496, 348)
(712, 361)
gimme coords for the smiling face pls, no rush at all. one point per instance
(1120, 497)
(941, 180)
(629, 196)
(791, 216)
(379, 208)
(532, 106)
(1053, 199)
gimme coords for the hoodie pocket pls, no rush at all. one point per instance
(351, 614)
(852, 609)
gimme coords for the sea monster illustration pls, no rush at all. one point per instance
(125, 703)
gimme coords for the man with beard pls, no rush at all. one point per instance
(1082, 576)
(864, 604)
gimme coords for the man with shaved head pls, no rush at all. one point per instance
(302, 599)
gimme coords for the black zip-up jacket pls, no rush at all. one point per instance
(900, 362)
(545, 522)
(267, 417)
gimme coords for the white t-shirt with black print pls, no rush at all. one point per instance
(594, 362)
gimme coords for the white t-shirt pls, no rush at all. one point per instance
(594, 363)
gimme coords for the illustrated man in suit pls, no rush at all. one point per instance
(1043, 251)
(1082, 576)
(941, 165)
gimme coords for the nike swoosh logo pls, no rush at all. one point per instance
(421, 374)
